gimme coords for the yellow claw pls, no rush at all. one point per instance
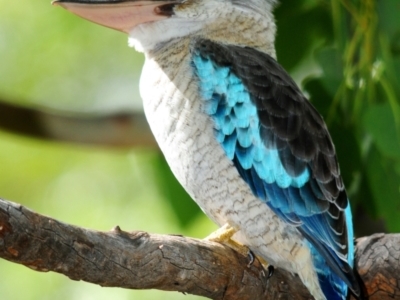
(223, 235)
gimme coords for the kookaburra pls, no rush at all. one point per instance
(238, 133)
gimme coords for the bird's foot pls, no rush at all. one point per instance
(271, 271)
(224, 235)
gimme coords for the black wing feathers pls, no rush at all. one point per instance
(289, 122)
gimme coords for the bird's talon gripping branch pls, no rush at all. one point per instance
(251, 257)
(223, 235)
(271, 271)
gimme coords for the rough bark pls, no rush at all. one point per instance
(139, 260)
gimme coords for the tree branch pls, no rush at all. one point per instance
(138, 260)
(115, 129)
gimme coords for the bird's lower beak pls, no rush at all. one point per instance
(122, 15)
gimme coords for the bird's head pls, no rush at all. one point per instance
(150, 23)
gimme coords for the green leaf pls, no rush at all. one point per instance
(332, 66)
(388, 13)
(296, 38)
(319, 95)
(385, 186)
(379, 122)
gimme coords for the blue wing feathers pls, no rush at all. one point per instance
(220, 137)
(244, 156)
(332, 286)
(245, 137)
(281, 148)
(211, 106)
(222, 109)
(229, 145)
(259, 185)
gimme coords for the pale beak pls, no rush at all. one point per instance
(122, 15)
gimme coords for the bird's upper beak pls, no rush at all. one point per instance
(122, 15)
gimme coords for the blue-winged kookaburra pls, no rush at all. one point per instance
(238, 133)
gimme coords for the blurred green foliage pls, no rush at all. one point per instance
(358, 93)
(344, 53)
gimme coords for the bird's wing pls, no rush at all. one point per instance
(279, 144)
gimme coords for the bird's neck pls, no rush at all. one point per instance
(256, 32)
(232, 28)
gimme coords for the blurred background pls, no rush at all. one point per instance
(74, 146)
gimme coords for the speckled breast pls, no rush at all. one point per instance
(185, 134)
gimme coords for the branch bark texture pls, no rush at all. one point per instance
(139, 260)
